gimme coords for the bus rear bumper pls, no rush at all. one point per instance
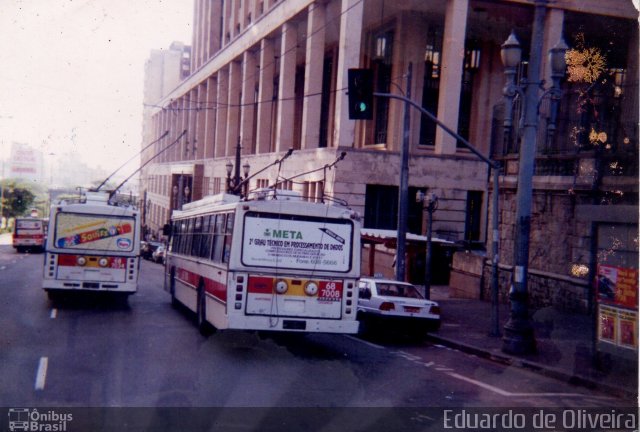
(49, 285)
(294, 324)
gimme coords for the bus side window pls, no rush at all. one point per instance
(228, 237)
(205, 244)
(188, 238)
(218, 239)
(197, 235)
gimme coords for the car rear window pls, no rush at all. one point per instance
(398, 290)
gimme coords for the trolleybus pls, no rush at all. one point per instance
(265, 264)
(92, 246)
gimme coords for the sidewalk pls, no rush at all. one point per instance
(563, 340)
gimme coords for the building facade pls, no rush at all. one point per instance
(271, 75)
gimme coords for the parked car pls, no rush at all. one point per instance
(158, 254)
(386, 304)
(147, 248)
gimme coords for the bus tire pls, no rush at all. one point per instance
(172, 288)
(204, 327)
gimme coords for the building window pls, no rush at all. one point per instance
(471, 66)
(327, 75)
(381, 208)
(430, 87)
(473, 216)
(381, 55)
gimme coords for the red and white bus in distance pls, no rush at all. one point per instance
(266, 264)
(92, 246)
(29, 233)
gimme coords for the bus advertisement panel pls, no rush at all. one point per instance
(297, 243)
(99, 232)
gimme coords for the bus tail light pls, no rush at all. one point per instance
(311, 288)
(281, 286)
(81, 260)
(387, 306)
(103, 262)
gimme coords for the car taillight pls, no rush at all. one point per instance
(435, 310)
(387, 306)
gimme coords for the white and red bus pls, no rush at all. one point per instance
(92, 246)
(265, 264)
(29, 233)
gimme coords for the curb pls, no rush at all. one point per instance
(538, 368)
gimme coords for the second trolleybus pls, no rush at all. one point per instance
(265, 264)
(92, 246)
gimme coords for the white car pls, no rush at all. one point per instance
(386, 304)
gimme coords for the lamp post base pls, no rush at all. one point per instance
(518, 338)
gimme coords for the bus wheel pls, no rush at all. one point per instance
(203, 326)
(172, 288)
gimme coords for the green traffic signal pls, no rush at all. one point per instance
(360, 86)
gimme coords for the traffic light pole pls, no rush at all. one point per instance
(400, 261)
(403, 193)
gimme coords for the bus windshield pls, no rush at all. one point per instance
(96, 232)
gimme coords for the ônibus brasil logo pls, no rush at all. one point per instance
(26, 419)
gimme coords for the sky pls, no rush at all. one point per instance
(72, 72)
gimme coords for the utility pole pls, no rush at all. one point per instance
(403, 193)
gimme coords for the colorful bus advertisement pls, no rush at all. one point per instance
(96, 232)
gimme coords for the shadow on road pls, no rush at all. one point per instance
(86, 300)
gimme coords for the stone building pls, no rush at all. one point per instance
(270, 75)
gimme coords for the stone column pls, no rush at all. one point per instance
(265, 96)
(348, 57)
(286, 87)
(312, 104)
(451, 78)
(221, 117)
(201, 119)
(210, 118)
(233, 116)
(247, 110)
(552, 33)
(214, 29)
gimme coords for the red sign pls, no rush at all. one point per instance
(618, 286)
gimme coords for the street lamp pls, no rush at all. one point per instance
(430, 204)
(238, 184)
(518, 331)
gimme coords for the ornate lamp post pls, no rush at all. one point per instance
(237, 185)
(518, 331)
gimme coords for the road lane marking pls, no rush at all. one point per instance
(365, 342)
(41, 374)
(507, 393)
(54, 313)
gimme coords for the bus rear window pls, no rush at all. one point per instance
(97, 232)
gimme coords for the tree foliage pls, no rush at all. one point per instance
(17, 198)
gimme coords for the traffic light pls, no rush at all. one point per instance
(360, 94)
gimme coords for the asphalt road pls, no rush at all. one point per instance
(144, 353)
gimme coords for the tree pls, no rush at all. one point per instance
(17, 198)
